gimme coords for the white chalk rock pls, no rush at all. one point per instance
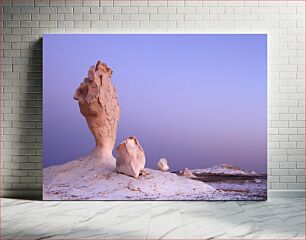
(130, 157)
(187, 173)
(162, 165)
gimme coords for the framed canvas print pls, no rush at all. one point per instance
(155, 117)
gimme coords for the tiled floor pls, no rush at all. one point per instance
(272, 219)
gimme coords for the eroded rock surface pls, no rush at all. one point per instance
(130, 157)
(99, 105)
(162, 165)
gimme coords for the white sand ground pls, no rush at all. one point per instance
(92, 179)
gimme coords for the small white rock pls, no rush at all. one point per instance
(162, 165)
(187, 173)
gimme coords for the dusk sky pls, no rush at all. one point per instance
(196, 99)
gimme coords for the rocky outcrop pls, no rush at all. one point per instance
(99, 105)
(225, 169)
(187, 173)
(162, 165)
(130, 157)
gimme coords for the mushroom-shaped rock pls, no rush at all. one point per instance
(187, 173)
(99, 105)
(162, 165)
(130, 157)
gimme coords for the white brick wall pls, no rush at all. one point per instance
(24, 22)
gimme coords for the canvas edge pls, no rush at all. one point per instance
(37, 194)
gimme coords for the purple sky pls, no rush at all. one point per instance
(197, 99)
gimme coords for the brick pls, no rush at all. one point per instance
(158, 3)
(140, 17)
(229, 17)
(11, 9)
(291, 10)
(81, 24)
(96, 10)
(41, 3)
(147, 9)
(287, 179)
(186, 9)
(185, 24)
(19, 173)
(95, 3)
(222, 24)
(296, 158)
(74, 3)
(21, 31)
(114, 24)
(29, 10)
(176, 17)
(138, 3)
(161, 17)
(112, 10)
(73, 16)
(11, 179)
(57, 17)
(277, 186)
(25, 3)
(166, 9)
(300, 179)
(106, 17)
(28, 179)
(149, 24)
(280, 172)
(296, 186)
(91, 16)
(202, 10)
(296, 172)
(49, 10)
(119, 17)
(129, 10)
(196, 3)
(297, 124)
(300, 164)
(231, 3)
(64, 24)
(287, 145)
(287, 131)
(130, 24)
(167, 24)
(29, 24)
(287, 165)
(296, 151)
(40, 17)
(81, 10)
(277, 151)
(192, 17)
(98, 24)
(62, 10)
(122, 3)
(21, 17)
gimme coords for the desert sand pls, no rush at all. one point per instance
(88, 178)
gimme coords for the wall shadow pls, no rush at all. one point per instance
(30, 115)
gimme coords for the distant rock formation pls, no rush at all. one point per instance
(130, 157)
(187, 173)
(225, 169)
(99, 105)
(162, 165)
